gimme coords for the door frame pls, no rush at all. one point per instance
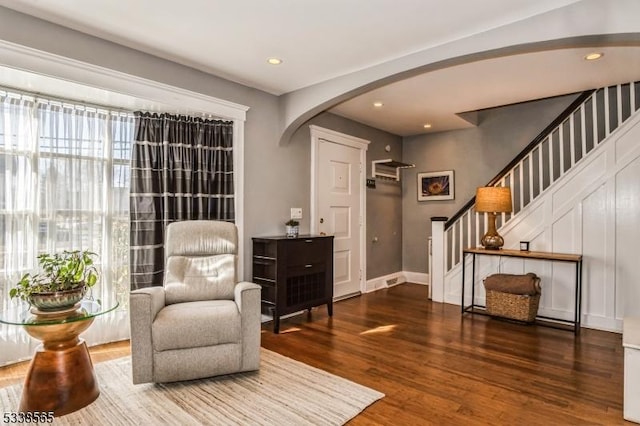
(318, 134)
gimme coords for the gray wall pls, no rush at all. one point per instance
(475, 155)
(384, 204)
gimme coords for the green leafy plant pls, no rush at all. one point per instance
(60, 271)
(292, 222)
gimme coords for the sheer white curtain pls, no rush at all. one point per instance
(64, 173)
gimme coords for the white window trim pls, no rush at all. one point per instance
(36, 61)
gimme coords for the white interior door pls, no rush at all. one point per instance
(339, 212)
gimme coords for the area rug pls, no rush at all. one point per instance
(282, 392)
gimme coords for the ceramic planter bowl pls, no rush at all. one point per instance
(57, 300)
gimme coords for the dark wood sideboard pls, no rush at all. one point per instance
(295, 274)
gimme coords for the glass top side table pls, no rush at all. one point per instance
(61, 378)
(82, 311)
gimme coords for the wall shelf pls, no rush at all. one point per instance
(388, 169)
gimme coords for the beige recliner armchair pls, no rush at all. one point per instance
(202, 322)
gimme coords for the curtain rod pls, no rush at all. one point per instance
(43, 97)
(46, 98)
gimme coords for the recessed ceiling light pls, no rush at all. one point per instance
(378, 104)
(427, 126)
(593, 56)
(274, 61)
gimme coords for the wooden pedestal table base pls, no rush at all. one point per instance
(61, 376)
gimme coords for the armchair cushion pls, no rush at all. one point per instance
(200, 278)
(196, 324)
(200, 238)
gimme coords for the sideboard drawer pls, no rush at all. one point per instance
(306, 250)
(306, 268)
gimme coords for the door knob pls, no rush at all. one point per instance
(321, 220)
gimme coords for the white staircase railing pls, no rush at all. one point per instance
(560, 147)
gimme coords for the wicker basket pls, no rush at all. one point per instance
(520, 307)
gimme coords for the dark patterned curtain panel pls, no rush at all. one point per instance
(181, 169)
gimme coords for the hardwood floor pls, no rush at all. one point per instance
(437, 367)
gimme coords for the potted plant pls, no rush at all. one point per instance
(62, 283)
(292, 228)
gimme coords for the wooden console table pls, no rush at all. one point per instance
(531, 255)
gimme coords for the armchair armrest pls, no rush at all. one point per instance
(246, 290)
(247, 297)
(144, 305)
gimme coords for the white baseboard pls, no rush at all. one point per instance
(266, 318)
(385, 281)
(416, 277)
(396, 278)
(601, 323)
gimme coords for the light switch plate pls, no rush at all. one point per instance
(296, 213)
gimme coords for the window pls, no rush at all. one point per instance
(64, 173)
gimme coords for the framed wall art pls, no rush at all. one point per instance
(435, 186)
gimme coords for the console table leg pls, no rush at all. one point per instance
(462, 301)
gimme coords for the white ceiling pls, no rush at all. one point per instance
(322, 39)
(439, 96)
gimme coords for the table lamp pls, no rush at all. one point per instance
(492, 200)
